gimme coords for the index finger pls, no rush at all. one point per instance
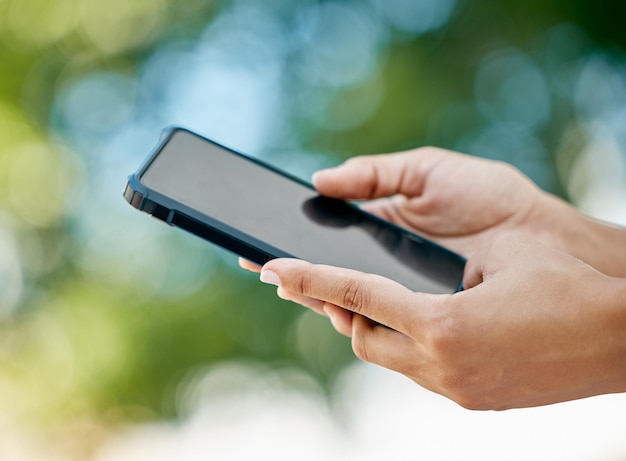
(377, 298)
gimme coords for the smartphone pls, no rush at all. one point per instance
(260, 212)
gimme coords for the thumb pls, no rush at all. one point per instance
(504, 253)
(474, 270)
(375, 176)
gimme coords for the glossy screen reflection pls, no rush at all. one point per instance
(286, 214)
(408, 249)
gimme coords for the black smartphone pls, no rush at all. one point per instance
(261, 213)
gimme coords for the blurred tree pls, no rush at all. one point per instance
(101, 316)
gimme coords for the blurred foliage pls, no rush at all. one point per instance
(105, 314)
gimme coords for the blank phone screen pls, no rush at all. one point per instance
(286, 214)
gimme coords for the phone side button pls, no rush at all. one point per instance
(156, 210)
(162, 213)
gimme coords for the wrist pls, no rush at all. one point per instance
(604, 245)
(612, 302)
(599, 244)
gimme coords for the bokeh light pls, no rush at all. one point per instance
(11, 279)
(415, 17)
(117, 25)
(339, 43)
(109, 319)
(37, 23)
(38, 184)
(98, 103)
(511, 89)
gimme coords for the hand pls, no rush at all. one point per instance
(534, 326)
(457, 200)
(464, 203)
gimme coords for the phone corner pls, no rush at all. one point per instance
(133, 193)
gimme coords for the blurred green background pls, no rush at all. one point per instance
(109, 317)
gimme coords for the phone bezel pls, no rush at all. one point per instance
(243, 244)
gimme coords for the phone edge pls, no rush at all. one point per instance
(137, 196)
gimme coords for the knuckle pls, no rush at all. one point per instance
(304, 285)
(457, 384)
(465, 385)
(354, 295)
(470, 402)
(458, 376)
(446, 334)
(460, 369)
(370, 170)
(448, 348)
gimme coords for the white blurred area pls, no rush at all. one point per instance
(597, 179)
(242, 413)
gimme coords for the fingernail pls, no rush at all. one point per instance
(316, 176)
(270, 278)
(319, 173)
